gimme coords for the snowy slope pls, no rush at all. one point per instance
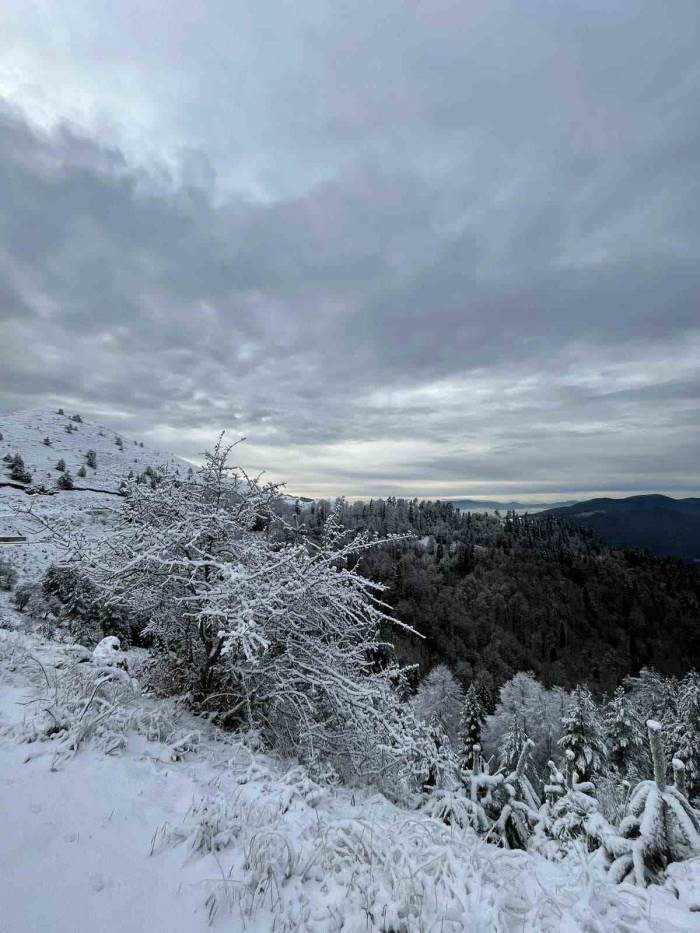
(90, 507)
(24, 432)
(159, 822)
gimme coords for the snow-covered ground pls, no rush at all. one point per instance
(121, 812)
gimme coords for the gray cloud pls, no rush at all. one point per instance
(441, 248)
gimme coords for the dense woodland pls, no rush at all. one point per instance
(494, 595)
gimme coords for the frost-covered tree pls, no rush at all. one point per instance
(46, 442)
(91, 459)
(60, 465)
(82, 472)
(583, 733)
(471, 721)
(278, 634)
(539, 711)
(439, 698)
(624, 731)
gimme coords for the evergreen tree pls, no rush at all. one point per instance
(685, 732)
(624, 731)
(583, 733)
(65, 481)
(18, 471)
(470, 723)
(61, 465)
(91, 459)
(514, 740)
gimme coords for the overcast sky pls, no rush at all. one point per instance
(438, 248)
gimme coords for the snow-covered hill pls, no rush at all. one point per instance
(92, 503)
(26, 432)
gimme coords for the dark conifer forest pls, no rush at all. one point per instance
(494, 595)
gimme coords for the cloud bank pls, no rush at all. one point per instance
(436, 249)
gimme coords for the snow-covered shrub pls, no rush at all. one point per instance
(660, 827)
(18, 472)
(75, 602)
(8, 575)
(91, 459)
(108, 653)
(23, 595)
(65, 481)
(283, 634)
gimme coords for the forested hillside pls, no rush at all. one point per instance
(493, 596)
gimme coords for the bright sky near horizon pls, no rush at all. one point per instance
(445, 248)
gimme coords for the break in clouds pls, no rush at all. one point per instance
(436, 249)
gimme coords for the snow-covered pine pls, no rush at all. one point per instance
(684, 734)
(471, 720)
(583, 733)
(660, 826)
(515, 805)
(624, 731)
(281, 636)
(512, 744)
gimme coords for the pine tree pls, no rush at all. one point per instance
(91, 459)
(61, 465)
(583, 734)
(470, 723)
(685, 732)
(624, 731)
(18, 471)
(65, 481)
(514, 740)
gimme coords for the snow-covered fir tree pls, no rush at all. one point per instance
(512, 745)
(583, 733)
(624, 731)
(471, 721)
(684, 730)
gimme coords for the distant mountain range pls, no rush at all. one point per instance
(658, 524)
(488, 505)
